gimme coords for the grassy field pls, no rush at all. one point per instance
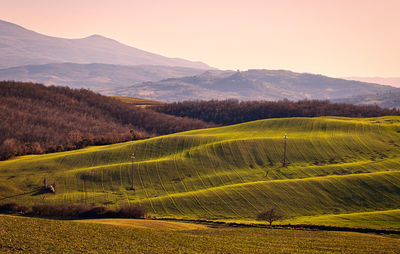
(389, 219)
(146, 224)
(342, 171)
(33, 235)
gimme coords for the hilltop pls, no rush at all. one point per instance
(343, 167)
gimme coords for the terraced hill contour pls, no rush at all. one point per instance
(337, 166)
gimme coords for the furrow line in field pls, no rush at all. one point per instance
(288, 181)
(220, 198)
(235, 164)
(257, 187)
(163, 185)
(148, 175)
(145, 190)
(202, 182)
(196, 198)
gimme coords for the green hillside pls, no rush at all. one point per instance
(336, 166)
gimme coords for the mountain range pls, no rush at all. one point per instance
(102, 78)
(112, 68)
(20, 46)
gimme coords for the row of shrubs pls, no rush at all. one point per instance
(75, 211)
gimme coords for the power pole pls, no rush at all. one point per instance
(284, 164)
(133, 158)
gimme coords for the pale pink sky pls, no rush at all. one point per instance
(332, 37)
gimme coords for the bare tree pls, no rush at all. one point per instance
(269, 214)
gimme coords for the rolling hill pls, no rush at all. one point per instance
(337, 167)
(20, 46)
(252, 85)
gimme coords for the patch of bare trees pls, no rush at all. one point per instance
(231, 111)
(35, 119)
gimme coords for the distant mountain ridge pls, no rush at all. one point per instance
(169, 84)
(102, 78)
(111, 68)
(20, 46)
(252, 85)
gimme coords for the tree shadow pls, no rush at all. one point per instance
(22, 194)
(38, 192)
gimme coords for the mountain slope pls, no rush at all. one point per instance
(253, 85)
(394, 81)
(385, 100)
(19, 46)
(103, 78)
(336, 166)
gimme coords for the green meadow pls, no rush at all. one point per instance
(342, 171)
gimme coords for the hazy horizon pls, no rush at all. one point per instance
(338, 39)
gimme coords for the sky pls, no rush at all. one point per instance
(338, 38)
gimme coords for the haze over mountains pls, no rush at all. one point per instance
(111, 68)
(103, 78)
(20, 46)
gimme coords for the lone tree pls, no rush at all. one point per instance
(270, 214)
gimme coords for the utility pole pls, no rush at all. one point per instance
(284, 164)
(133, 158)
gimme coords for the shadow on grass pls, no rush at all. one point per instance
(38, 192)
(33, 193)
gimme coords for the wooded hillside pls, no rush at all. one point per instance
(232, 111)
(36, 119)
